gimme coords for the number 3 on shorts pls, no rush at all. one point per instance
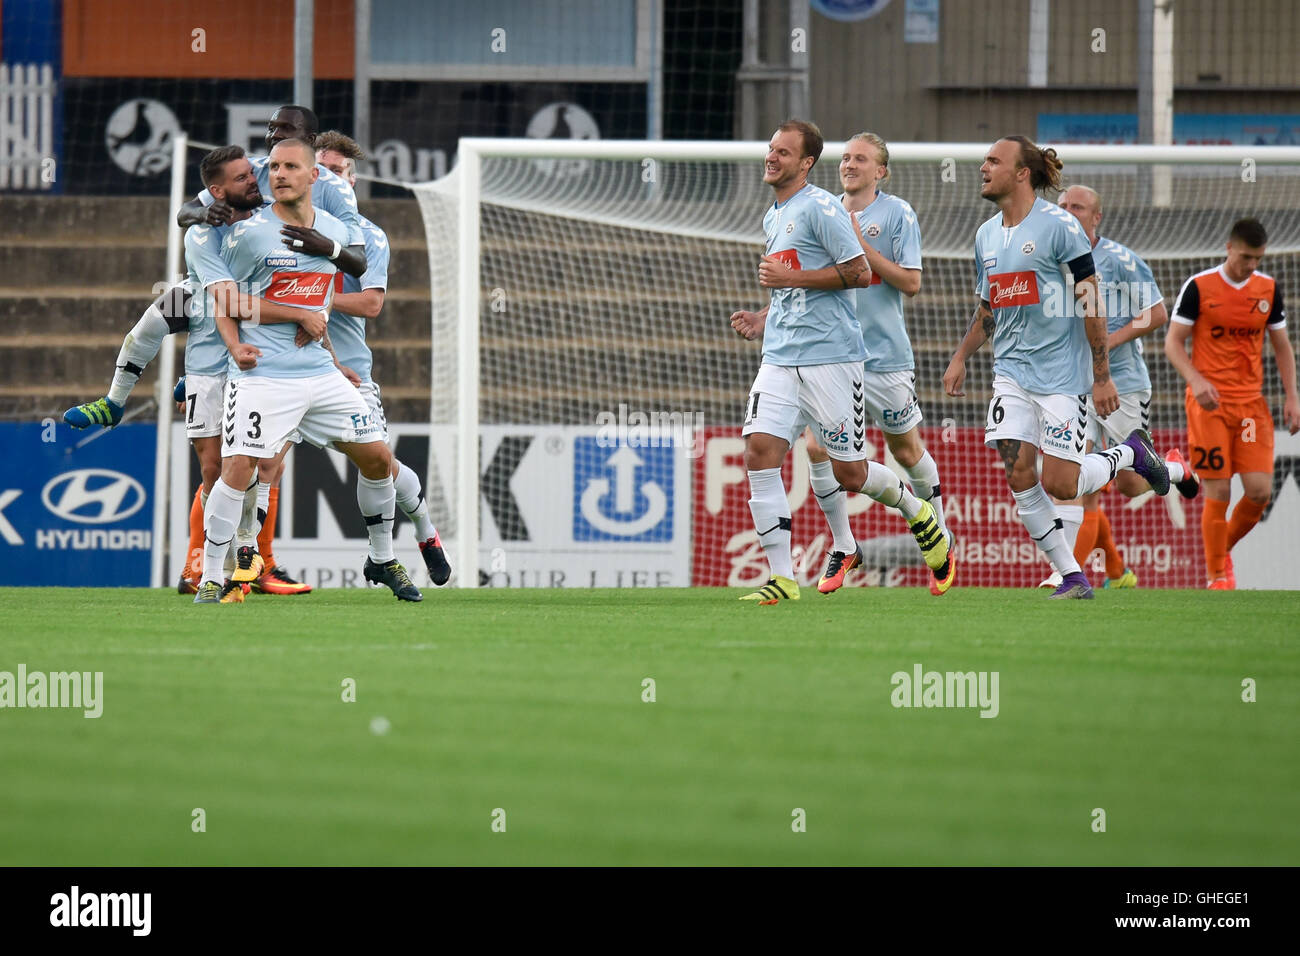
(255, 419)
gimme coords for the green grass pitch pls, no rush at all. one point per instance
(530, 702)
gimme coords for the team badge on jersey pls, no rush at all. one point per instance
(1028, 248)
(789, 228)
(873, 230)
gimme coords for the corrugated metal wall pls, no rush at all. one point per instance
(1230, 57)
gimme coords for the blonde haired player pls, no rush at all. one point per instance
(891, 240)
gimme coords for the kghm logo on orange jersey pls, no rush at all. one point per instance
(300, 288)
(1013, 288)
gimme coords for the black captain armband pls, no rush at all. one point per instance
(1082, 267)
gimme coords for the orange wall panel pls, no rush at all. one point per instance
(244, 39)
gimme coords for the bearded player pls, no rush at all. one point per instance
(228, 175)
(1045, 358)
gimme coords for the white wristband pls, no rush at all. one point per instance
(337, 249)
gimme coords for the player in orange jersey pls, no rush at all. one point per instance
(1225, 311)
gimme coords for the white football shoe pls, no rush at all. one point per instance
(1053, 581)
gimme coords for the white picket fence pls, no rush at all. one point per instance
(27, 126)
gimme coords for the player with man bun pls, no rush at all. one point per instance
(1045, 357)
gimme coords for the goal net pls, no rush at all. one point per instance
(587, 389)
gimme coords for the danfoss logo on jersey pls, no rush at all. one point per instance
(1013, 288)
(300, 288)
(789, 257)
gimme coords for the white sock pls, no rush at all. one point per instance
(411, 500)
(835, 504)
(1099, 468)
(139, 348)
(887, 488)
(1071, 518)
(925, 483)
(771, 510)
(1041, 521)
(220, 518)
(376, 498)
(251, 515)
(1176, 473)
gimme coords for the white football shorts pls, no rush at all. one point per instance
(1134, 412)
(1057, 424)
(203, 397)
(263, 413)
(891, 400)
(370, 392)
(828, 397)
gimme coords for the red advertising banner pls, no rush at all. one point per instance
(1159, 538)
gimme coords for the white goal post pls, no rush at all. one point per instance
(1197, 170)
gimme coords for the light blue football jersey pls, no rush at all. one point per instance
(205, 353)
(256, 257)
(811, 230)
(330, 192)
(1039, 342)
(890, 227)
(1127, 290)
(348, 332)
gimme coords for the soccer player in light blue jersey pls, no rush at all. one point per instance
(229, 175)
(1033, 261)
(891, 240)
(362, 300)
(281, 387)
(812, 360)
(1134, 308)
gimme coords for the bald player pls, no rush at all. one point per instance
(1134, 308)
